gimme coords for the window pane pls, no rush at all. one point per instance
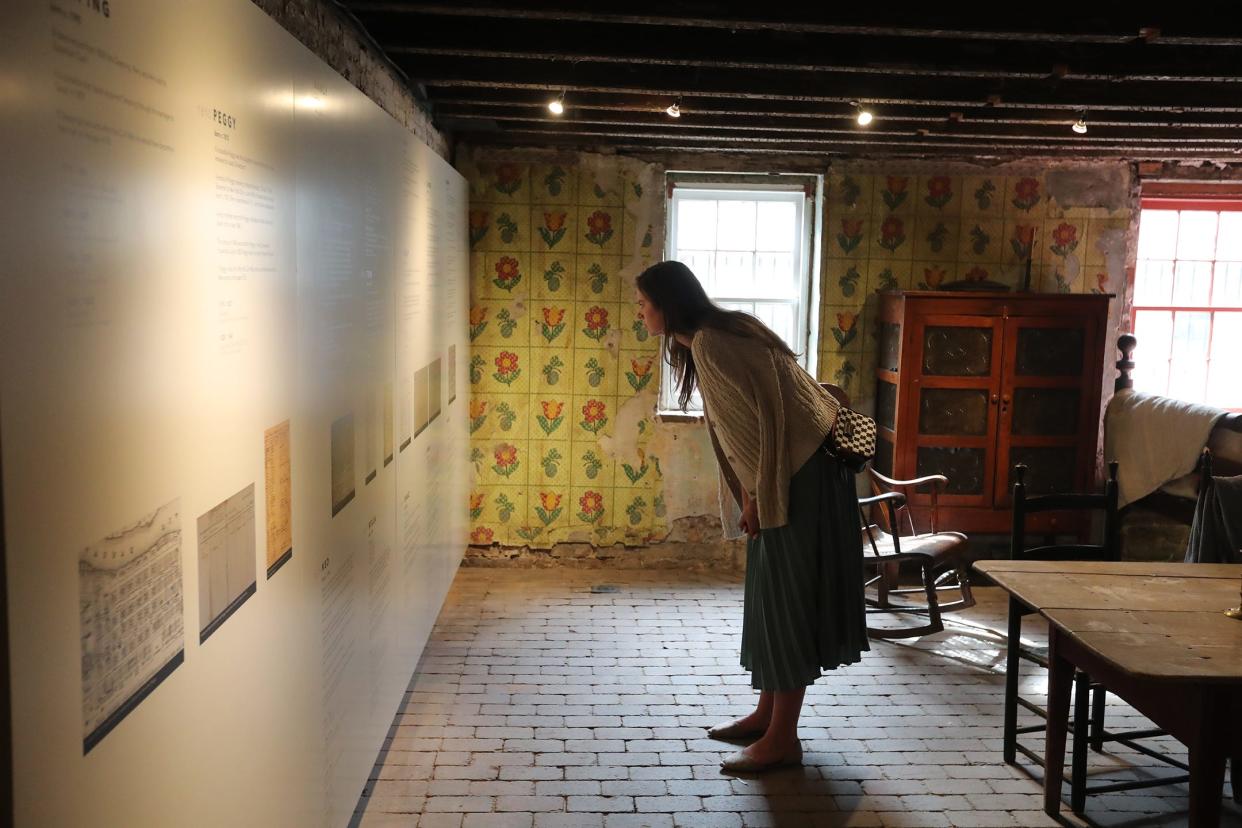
(736, 226)
(1192, 283)
(702, 263)
(780, 318)
(735, 273)
(1196, 235)
(1153, 283)
(1224, 376)
(696, 224)
(1227, 289)
(1154, 332)
(775, 277)
(777, 229)
(1157, 234)
(1229, 237)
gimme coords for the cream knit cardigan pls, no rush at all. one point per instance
(765, 414)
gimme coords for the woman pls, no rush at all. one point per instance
(768, 418)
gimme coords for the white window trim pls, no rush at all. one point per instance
(805, 205)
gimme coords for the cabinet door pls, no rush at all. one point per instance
(955, 375)
(1045, 405)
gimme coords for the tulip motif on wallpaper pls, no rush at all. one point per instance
(939, 191)
(551, 462)
(1101, 279)
(508, 179)
(983, 195)
(478, 321)
(478, 414)
(846, 329)
(976, 274)
(552, 370)
(594, 416)
(1023, 240)
(549, 508)
(932, 278)
(591, 507)
(639, 374)
(553, 229)
(1026, 193)
(599, 278)
(478, 226)
(506, 457)
(599, 227)
(636, 474)
(553, 324)
(596, 323)
(851, 234)
(552, 417)
(553, 275)
(507, 368)
(895, 194)
(508, 273)
(476, 505)
(892, 233)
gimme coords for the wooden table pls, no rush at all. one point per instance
(1155, 635)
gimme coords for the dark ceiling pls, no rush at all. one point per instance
(751, 78)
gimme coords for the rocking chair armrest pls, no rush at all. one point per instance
(937, 481)
(897, 498)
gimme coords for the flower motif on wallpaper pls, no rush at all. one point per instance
(895, 194)
(478, 414)
(508, 179)
(647, 237)
(846, 328)
(478, 226)
(851, 234)
(506, 415)
(508, 228)
(1101, 279)
(936, 238)
(591, 506)
(506, 457)
(551, 418)
(476, 369)
(599, 191)
(552, 370)
(976, 274)
(599, 277)
(637, 188)
(983, 195)
(591, 465)
(639, 374)
(979, 240)
(553, 323)
(478, 321)
(594, 416)
(1064, 239)
(887, 280)
(633, 473)
(596, 323)
(1026, 193)
(595, 372)
(932, 277)
(845, 375)
(549, 508)
(599, 228)
(507, 368)
(553, 229)
(640, 330)
(1023, 239)
(551, 462)
(476, 505)
(892, 233)
(850, 191)
(508, 274)
(481, 535)
(553, 275)
(504, 507)
(554, 180)
(507, 323)
(939, 191)
(849, 281)
(529, 533)
(635, 510)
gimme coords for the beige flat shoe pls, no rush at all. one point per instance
(732, 730)
(741, 763)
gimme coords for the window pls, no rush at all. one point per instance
(1188, 301)
(750, 247)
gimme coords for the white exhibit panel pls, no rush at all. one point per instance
(233, 318)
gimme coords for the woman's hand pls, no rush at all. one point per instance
(750, 515)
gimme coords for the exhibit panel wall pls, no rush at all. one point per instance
(233, 296)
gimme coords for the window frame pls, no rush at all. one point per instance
(1215, 203)
(803, 195)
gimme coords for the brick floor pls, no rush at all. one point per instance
(540, 703)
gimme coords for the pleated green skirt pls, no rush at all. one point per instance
(803, 606)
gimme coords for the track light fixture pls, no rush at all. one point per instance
(1080, 126)
(674, 109)
(864, 116)
(557, 106)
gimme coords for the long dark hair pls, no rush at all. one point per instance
(678, 295)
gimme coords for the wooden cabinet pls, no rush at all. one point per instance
(970, 385)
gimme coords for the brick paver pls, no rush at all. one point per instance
(542, 704)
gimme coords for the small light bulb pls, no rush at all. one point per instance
(864, 117)
(674, 111)
(1080, 126)
(556, 107)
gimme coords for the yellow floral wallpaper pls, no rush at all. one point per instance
(888, 230)
(563, 375)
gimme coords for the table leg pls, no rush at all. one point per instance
(1060, 679)
(1012, 665)
(1078, 765)
(1208, 747)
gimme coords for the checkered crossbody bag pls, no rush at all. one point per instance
(851, 439)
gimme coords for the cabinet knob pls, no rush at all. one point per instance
(995, 399)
